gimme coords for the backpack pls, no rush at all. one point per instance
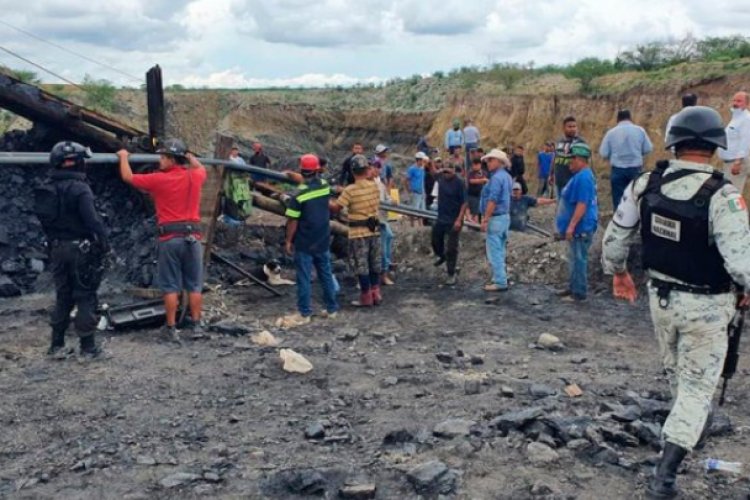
(48, 204)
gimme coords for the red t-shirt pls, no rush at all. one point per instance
(176, 193)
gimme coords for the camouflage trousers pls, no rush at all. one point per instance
(692, 335)
(365, 255)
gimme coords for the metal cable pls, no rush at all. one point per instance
(69, 51)
(40, 67)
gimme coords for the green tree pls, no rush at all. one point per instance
(26, 76)
(646, 57)
(723, 48)
(99, 94)
(587, 69)
(509, 74)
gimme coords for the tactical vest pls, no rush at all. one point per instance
(56, 207)
(675, 233)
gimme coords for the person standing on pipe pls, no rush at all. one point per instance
(176, 190)
(77, 240)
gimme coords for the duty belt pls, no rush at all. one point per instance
(664, 287)
(179, 228)
(371, 223)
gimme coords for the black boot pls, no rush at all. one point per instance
(89, 349)
(662, 485)
(57, 348)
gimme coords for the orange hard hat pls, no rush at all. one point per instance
(309, 163)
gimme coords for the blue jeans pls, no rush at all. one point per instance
(497, 239)
(386, 245)
(620, 179)
(416, 200)
(578, 261)
(303, 263)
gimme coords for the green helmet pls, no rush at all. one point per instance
(697, 123)
(456, 123)
(580, 149)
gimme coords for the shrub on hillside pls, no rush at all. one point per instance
(100, 94)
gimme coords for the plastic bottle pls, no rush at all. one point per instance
(716, 464)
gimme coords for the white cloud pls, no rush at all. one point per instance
(236, 43)
(234, 78)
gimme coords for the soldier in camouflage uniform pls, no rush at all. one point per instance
(696, 241)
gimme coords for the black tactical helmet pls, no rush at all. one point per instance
(68, 150)
(697, 123)
(172, 147)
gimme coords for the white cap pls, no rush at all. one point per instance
(516, 185)
(421, 156)
(498, 154)
(381, 148)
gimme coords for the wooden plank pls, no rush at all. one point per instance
(211, 197)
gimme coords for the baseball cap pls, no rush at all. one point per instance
(580, 149)
(381, 148)
(516, 185)
(421, 156)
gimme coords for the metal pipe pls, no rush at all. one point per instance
(111, 158)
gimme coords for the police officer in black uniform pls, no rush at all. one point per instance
(77, 241)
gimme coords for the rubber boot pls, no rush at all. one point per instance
(377, 299)
(662, 485)
(365, 299)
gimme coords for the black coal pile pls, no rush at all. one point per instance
(23, 254)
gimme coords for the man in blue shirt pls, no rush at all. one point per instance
(577, 218)
(386, 169)
(454, 137)
(519, 207)
(308, 235)
(544, 162)
(471, 140)
(495, 205)
(624, 146)
(415, 181)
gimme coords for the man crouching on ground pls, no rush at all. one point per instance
(308, 236)
(176, 190)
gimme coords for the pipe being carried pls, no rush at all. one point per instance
(111, 158)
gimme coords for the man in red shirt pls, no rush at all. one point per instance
(176, 191)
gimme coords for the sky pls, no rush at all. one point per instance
(262, 43)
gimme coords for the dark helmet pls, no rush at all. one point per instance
(68, 150)
(172, 147)
(697, 123)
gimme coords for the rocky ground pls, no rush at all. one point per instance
(437, 392)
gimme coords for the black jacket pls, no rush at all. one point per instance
(78, 217)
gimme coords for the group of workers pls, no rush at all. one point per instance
(692, 221)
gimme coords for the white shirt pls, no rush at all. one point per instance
(738, 137)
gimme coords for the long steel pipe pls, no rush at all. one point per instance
(111, 158)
